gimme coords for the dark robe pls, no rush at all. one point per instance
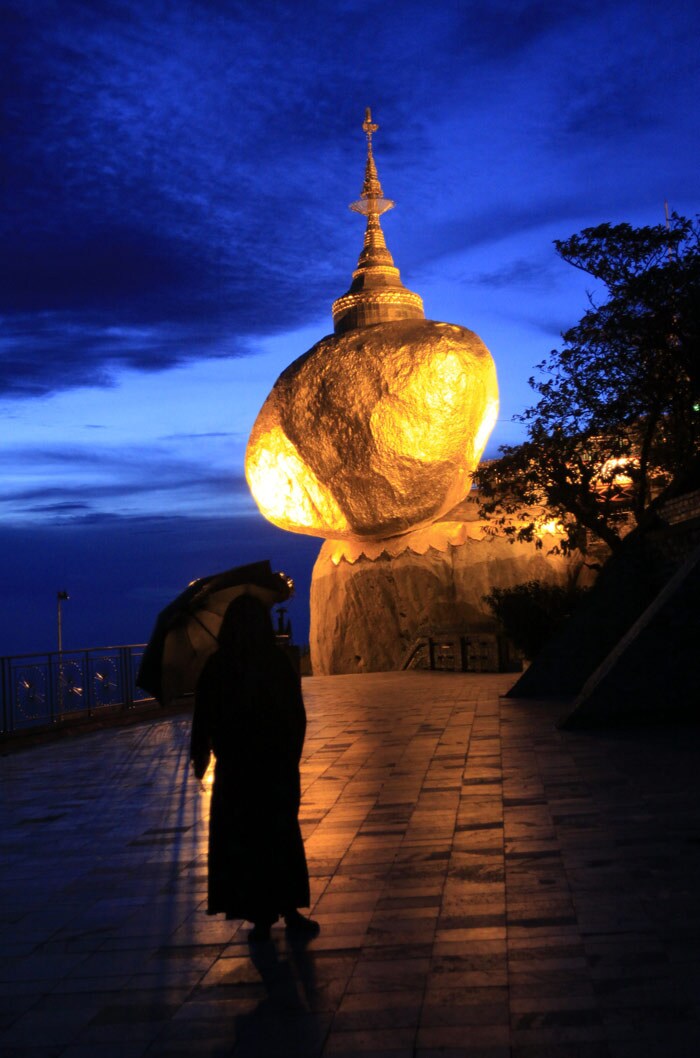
(254, 721)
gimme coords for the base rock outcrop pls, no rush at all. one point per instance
(369, 603)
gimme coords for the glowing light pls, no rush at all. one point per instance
(550, 528)
(286, 490)
(614, 471)
(484, 431)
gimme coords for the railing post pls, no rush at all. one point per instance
(50, 689)
(4, 691)
(126, 676)
(87, 683)
(60, 687)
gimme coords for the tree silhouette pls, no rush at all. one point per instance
(616, 429)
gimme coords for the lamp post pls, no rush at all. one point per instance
(61, 596)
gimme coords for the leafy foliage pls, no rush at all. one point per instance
(530, 613)
(617, 424)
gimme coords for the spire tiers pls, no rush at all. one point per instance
(376, 294)
(371, 197)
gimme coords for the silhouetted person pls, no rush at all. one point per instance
(250, 712)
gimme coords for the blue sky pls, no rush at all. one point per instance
(175, 228)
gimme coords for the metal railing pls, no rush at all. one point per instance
(450, 650)
(40, 690)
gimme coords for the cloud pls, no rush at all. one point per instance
(610, 111)
(149, 175)
(171, 203)
(475, 227)
(202, 434)
(502, 30)
(64, 507)
(522, 272)
(50, 351)
(614, 97)
(86, 484)
(178, 179)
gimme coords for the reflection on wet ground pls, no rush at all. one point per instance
(486, 886)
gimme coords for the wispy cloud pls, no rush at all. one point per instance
(71, 481)
(522, 272)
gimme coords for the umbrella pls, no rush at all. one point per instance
(185, 632)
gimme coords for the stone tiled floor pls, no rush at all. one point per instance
(487, 887)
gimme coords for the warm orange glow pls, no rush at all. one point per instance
(549, 528)
(403, 421)
(375, 432)
(614, 471)
(484, 431)
(286, 490)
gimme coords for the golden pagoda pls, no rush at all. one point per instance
(377, 429)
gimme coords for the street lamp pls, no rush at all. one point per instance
(61, 596)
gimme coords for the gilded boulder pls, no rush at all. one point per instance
(374, 432)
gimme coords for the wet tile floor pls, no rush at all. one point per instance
(487, 887)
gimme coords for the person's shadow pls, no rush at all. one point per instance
(287, 1023)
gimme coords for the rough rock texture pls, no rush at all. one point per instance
(374, 432)
(366, 613)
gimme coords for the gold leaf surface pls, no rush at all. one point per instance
(374, 432)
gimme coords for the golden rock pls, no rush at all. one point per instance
(375, 431)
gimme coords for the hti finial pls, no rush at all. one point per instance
(369, 127)
(372, 199)
(376, 294)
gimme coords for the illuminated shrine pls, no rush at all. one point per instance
(377, 429)
(370, 440)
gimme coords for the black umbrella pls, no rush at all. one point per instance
(185, 632)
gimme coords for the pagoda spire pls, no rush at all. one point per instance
(377, 294)
(371, 197)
